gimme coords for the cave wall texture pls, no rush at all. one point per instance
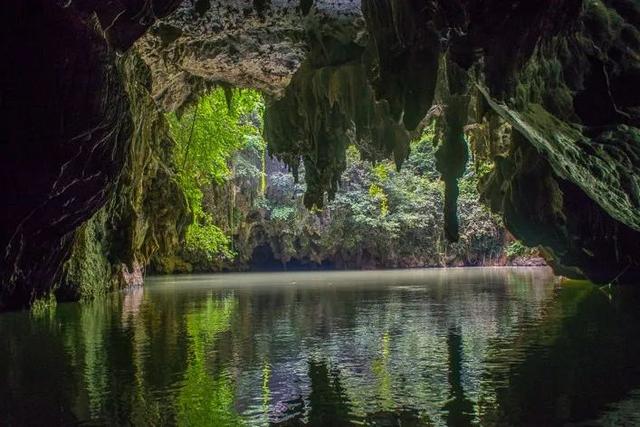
(67, 128)
(551, 86)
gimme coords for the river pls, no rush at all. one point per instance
(487, 346)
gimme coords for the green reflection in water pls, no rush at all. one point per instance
(207, 398)
(328, 401)
(266, 392)
(92, 320)
(380, 368)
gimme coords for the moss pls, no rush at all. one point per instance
(599, 162)
(44, 305)
(171, 264)
(88, 272)
(146, 212)
(517, 249)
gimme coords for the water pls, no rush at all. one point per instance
(419, 347)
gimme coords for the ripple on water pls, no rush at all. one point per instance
(432, 347)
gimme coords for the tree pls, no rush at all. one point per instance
(206, 137)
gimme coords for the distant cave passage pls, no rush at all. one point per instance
(263, 259)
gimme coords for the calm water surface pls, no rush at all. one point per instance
(421, 347)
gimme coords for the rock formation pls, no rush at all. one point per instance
(551, 87)
(67, 128)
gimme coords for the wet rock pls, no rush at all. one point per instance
(243, 43)
(146, 213)
(65, 129)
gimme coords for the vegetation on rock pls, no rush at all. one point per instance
(249, 211)
(206, 135)
(146, 211)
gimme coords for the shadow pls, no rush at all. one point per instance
(327, 405)
(571, 367)
(459, 409)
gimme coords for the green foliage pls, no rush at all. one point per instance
(517, 249)
(207, 136)
(248, 164)
(484, 169)
(209, 133)
(283, 213)
(422, 159)
(385, 218)
(206, 241)
(380, 217)
(381, 171)
(377, 193)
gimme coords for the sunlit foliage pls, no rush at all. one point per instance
(206, 137)
(384, 217)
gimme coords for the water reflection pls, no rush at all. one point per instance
(207, 391)
(458, 408)
(422, 347)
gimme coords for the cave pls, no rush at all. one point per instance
(81, 108)
(541, 99)
(263, 259)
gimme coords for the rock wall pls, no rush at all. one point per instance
(65, 131)
(145, 215)
(574, 157)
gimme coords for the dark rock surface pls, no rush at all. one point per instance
(66, 129)
(65, 126)
(146, 212)
(244, 43)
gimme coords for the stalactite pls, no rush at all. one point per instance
(452, 154)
